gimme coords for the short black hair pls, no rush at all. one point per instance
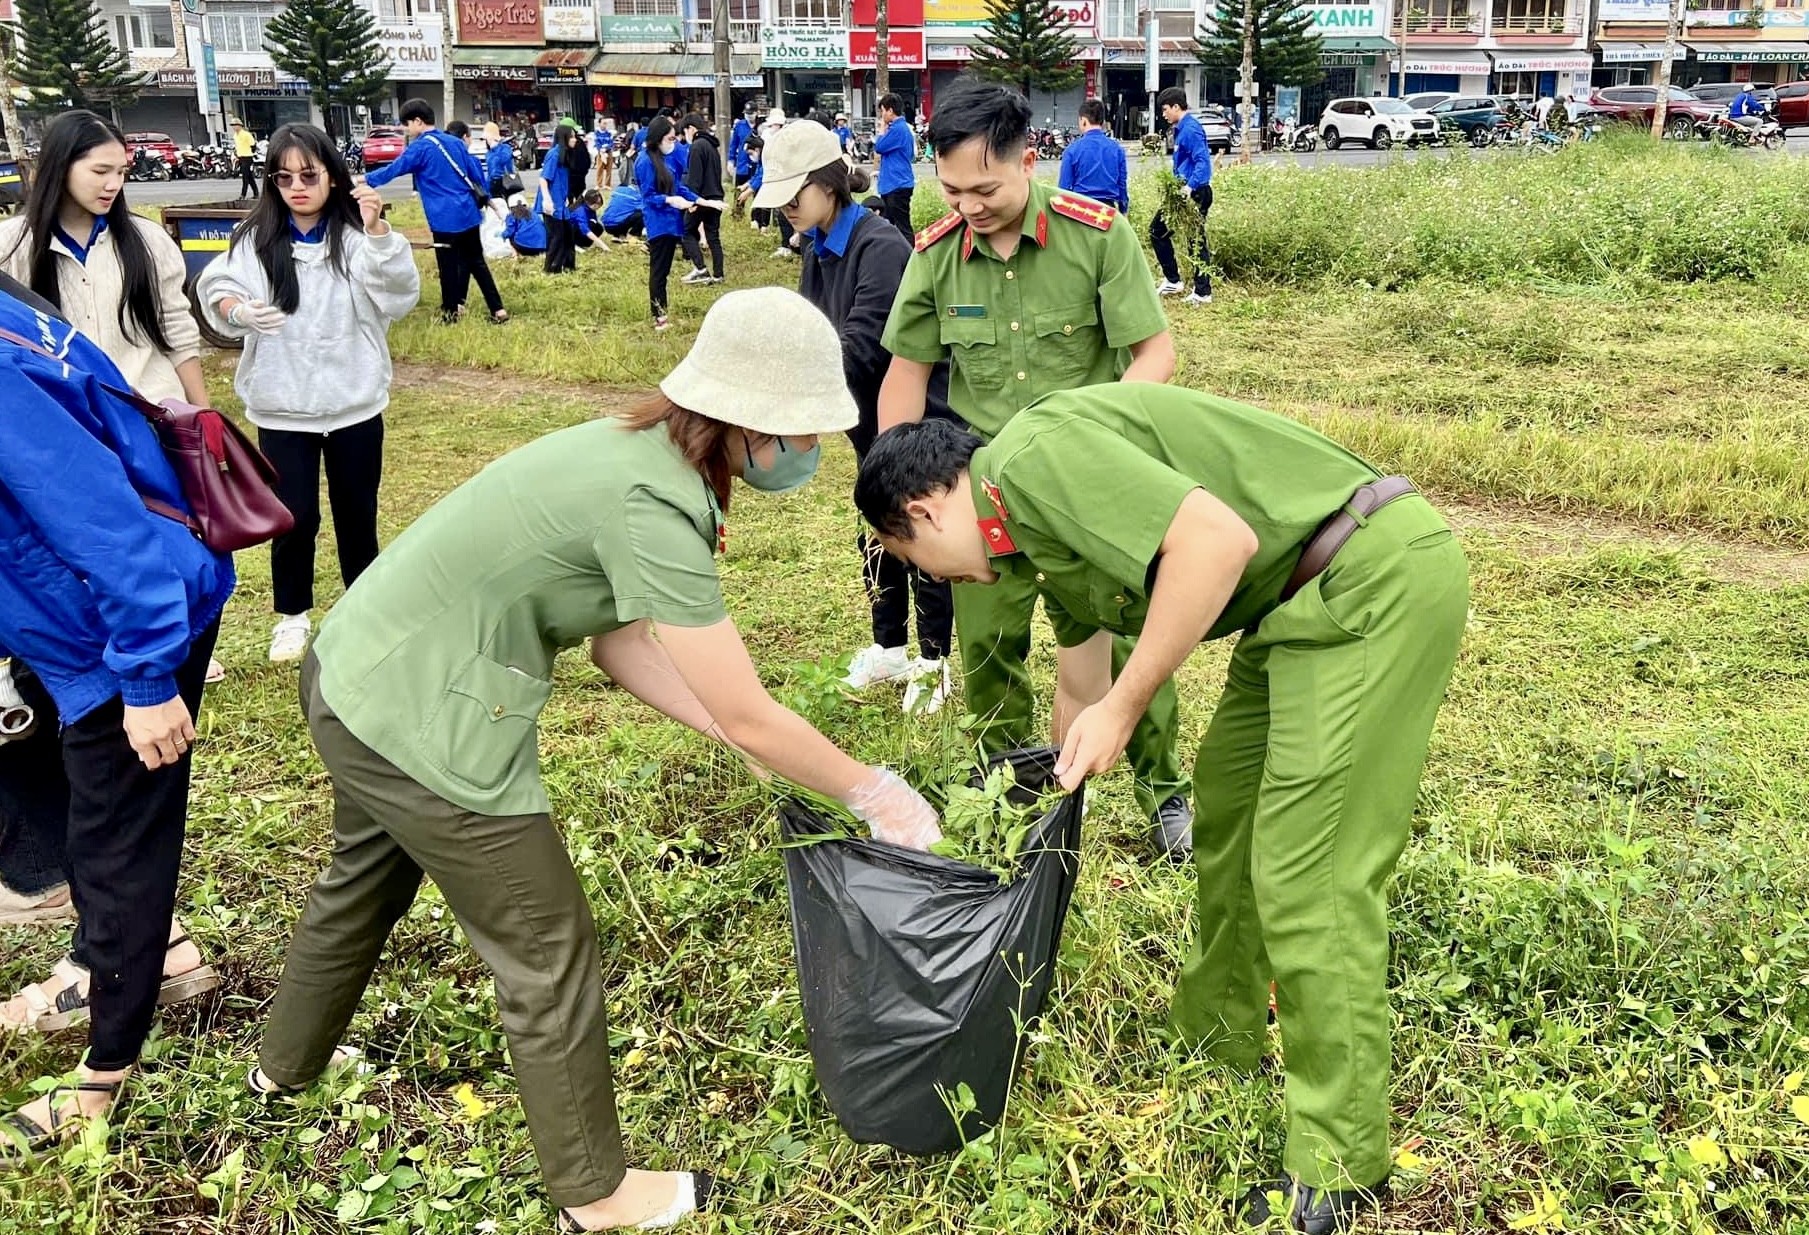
(1174, 96)
(973, 108)
(695, 121)
(417, 109)
(890, 102)
(458, 128)
(910, 462)
(1093, 112)
(756, 142)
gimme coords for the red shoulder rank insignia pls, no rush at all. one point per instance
(998, 540)
(1042, 230)
(937, 230)
(994, 496)
(1084, 210)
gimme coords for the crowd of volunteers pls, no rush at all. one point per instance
(1004, 378)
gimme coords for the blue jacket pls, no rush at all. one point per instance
(1746, 103)
(681, 159)
(528, 233)
(656, 216)
(99, 596)
(897, 151)
(738, 146)
(624, 206)
(585, 219)
(640, 139)
(1095, 166)
(445, 173)
(500, 161)
(845, 135)
(555, 186)
(1193, 157)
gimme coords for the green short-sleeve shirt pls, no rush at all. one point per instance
(1062, 312)
(1091, 480)
(440, 657)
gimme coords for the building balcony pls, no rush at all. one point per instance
(1446, 23)
(741, 33)
(1535, 23)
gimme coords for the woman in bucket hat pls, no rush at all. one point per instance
(424, 690)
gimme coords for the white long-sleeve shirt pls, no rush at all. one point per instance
(328, 367)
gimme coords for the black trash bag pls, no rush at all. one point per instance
(917, 972)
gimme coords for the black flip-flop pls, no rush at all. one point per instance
(22, 1138)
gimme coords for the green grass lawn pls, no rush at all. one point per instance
(1601, 947)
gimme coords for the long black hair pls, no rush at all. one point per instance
(658, 129)
(67, 139)
(266, 228)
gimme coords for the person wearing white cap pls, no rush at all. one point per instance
(424, 691)
(853, 263)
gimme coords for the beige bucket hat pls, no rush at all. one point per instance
(766, 359)
(790, 156)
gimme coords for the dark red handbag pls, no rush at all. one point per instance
(227, 481)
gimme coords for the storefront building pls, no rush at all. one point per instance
(1761, 41)
(1534, 48)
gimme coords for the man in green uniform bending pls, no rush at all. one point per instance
(1025, 290)
(1177, 517)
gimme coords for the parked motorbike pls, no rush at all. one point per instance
(1292, 135)
(1727, 131)
(147, 165)
(216, 164)
(189, 164)
(353, 154)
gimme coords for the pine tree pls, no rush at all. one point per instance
(1287, 51)
(67, 59)
(1026, 44)
(333, 46)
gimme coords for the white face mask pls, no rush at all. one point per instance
(668, 146)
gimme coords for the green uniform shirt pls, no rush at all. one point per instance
(1091, 479)
(1061, 313)
(440, 657)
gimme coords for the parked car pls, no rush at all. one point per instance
(1635, 105)
(1722, 93)
(543, 141)
(1220, 126)
(1793, 106)
(1431, 99)
(1379, 122)
(383, 146)
(1470, 112)
(158, 144)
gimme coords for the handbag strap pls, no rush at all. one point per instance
(212, 434)
(447, 155)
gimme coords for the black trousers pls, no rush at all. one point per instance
(124, 839)
(898, 211)
(460, 257)
(621, 231)
(660, 250)
(892, 583)
(34, 797)
(1161, 240)
(353, 457)
(706, 225)
(561, 245)
(248, 177)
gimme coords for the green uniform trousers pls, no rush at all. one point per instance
(992, 624)
(510, 883)
(1304, 791)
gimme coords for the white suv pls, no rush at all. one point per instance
(1381, 122)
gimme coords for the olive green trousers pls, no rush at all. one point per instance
(510, 883)
(1304, 790)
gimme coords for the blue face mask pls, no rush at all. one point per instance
(790, 468)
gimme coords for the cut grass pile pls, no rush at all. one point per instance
(1602, 1018)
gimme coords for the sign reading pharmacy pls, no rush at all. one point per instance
(803, 47)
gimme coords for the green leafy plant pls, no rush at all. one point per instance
(986, 825)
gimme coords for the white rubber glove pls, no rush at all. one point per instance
(896, 812)
(254, 314)
(679, 203)
(17, 720)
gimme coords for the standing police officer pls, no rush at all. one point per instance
(1026, 290)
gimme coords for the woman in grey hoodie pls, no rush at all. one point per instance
(313, 278)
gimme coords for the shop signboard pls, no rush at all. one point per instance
(570, 23)
(904, 49)
(415, 52)
(803, 47)
(644, 30)
(500, 23)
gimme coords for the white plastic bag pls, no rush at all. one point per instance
(490, 232)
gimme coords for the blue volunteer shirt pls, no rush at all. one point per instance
(1193, 157)
(1095, 166)
(78, 249)
(1746, 103)
(314, 235)
(845, 135)
(624, 205)
(657, 216)
(738, 146)
(444, 174)
(897, 151)
(528, 233)
(834, 242)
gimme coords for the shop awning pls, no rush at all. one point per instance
(496, 57)
(1543, 62)
(693, 69)
(1448, 63)
(1639, 53)
(568, 59)
(1750, 53)
(1358, 45)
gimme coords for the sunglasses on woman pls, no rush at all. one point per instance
(307, 179)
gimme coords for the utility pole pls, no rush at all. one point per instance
(882, 38)
(1673, 35)
(446, 80)
(9, 108)
(1152, 59)
(725, 81)
(1400, 65)
(1246, 82)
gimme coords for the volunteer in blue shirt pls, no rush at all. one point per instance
(664, 200)
(622, 215)
(499, 162)
(843, 133)
(114, 608)
(896, 155)
(448, 177)
(1095, 165)
(744, 129)
(525, 231)
(1193, 166)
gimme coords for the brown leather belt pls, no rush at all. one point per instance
(1324, 544)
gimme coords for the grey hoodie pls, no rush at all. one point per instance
(328, 367)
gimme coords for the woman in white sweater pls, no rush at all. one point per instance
(312, 280)
(116, 277)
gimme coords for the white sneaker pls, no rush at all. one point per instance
(1165, 288)
(289, 638)
(931, 682)
(699, 275)
(1196, 298)
(781, 251)
(874, 664)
